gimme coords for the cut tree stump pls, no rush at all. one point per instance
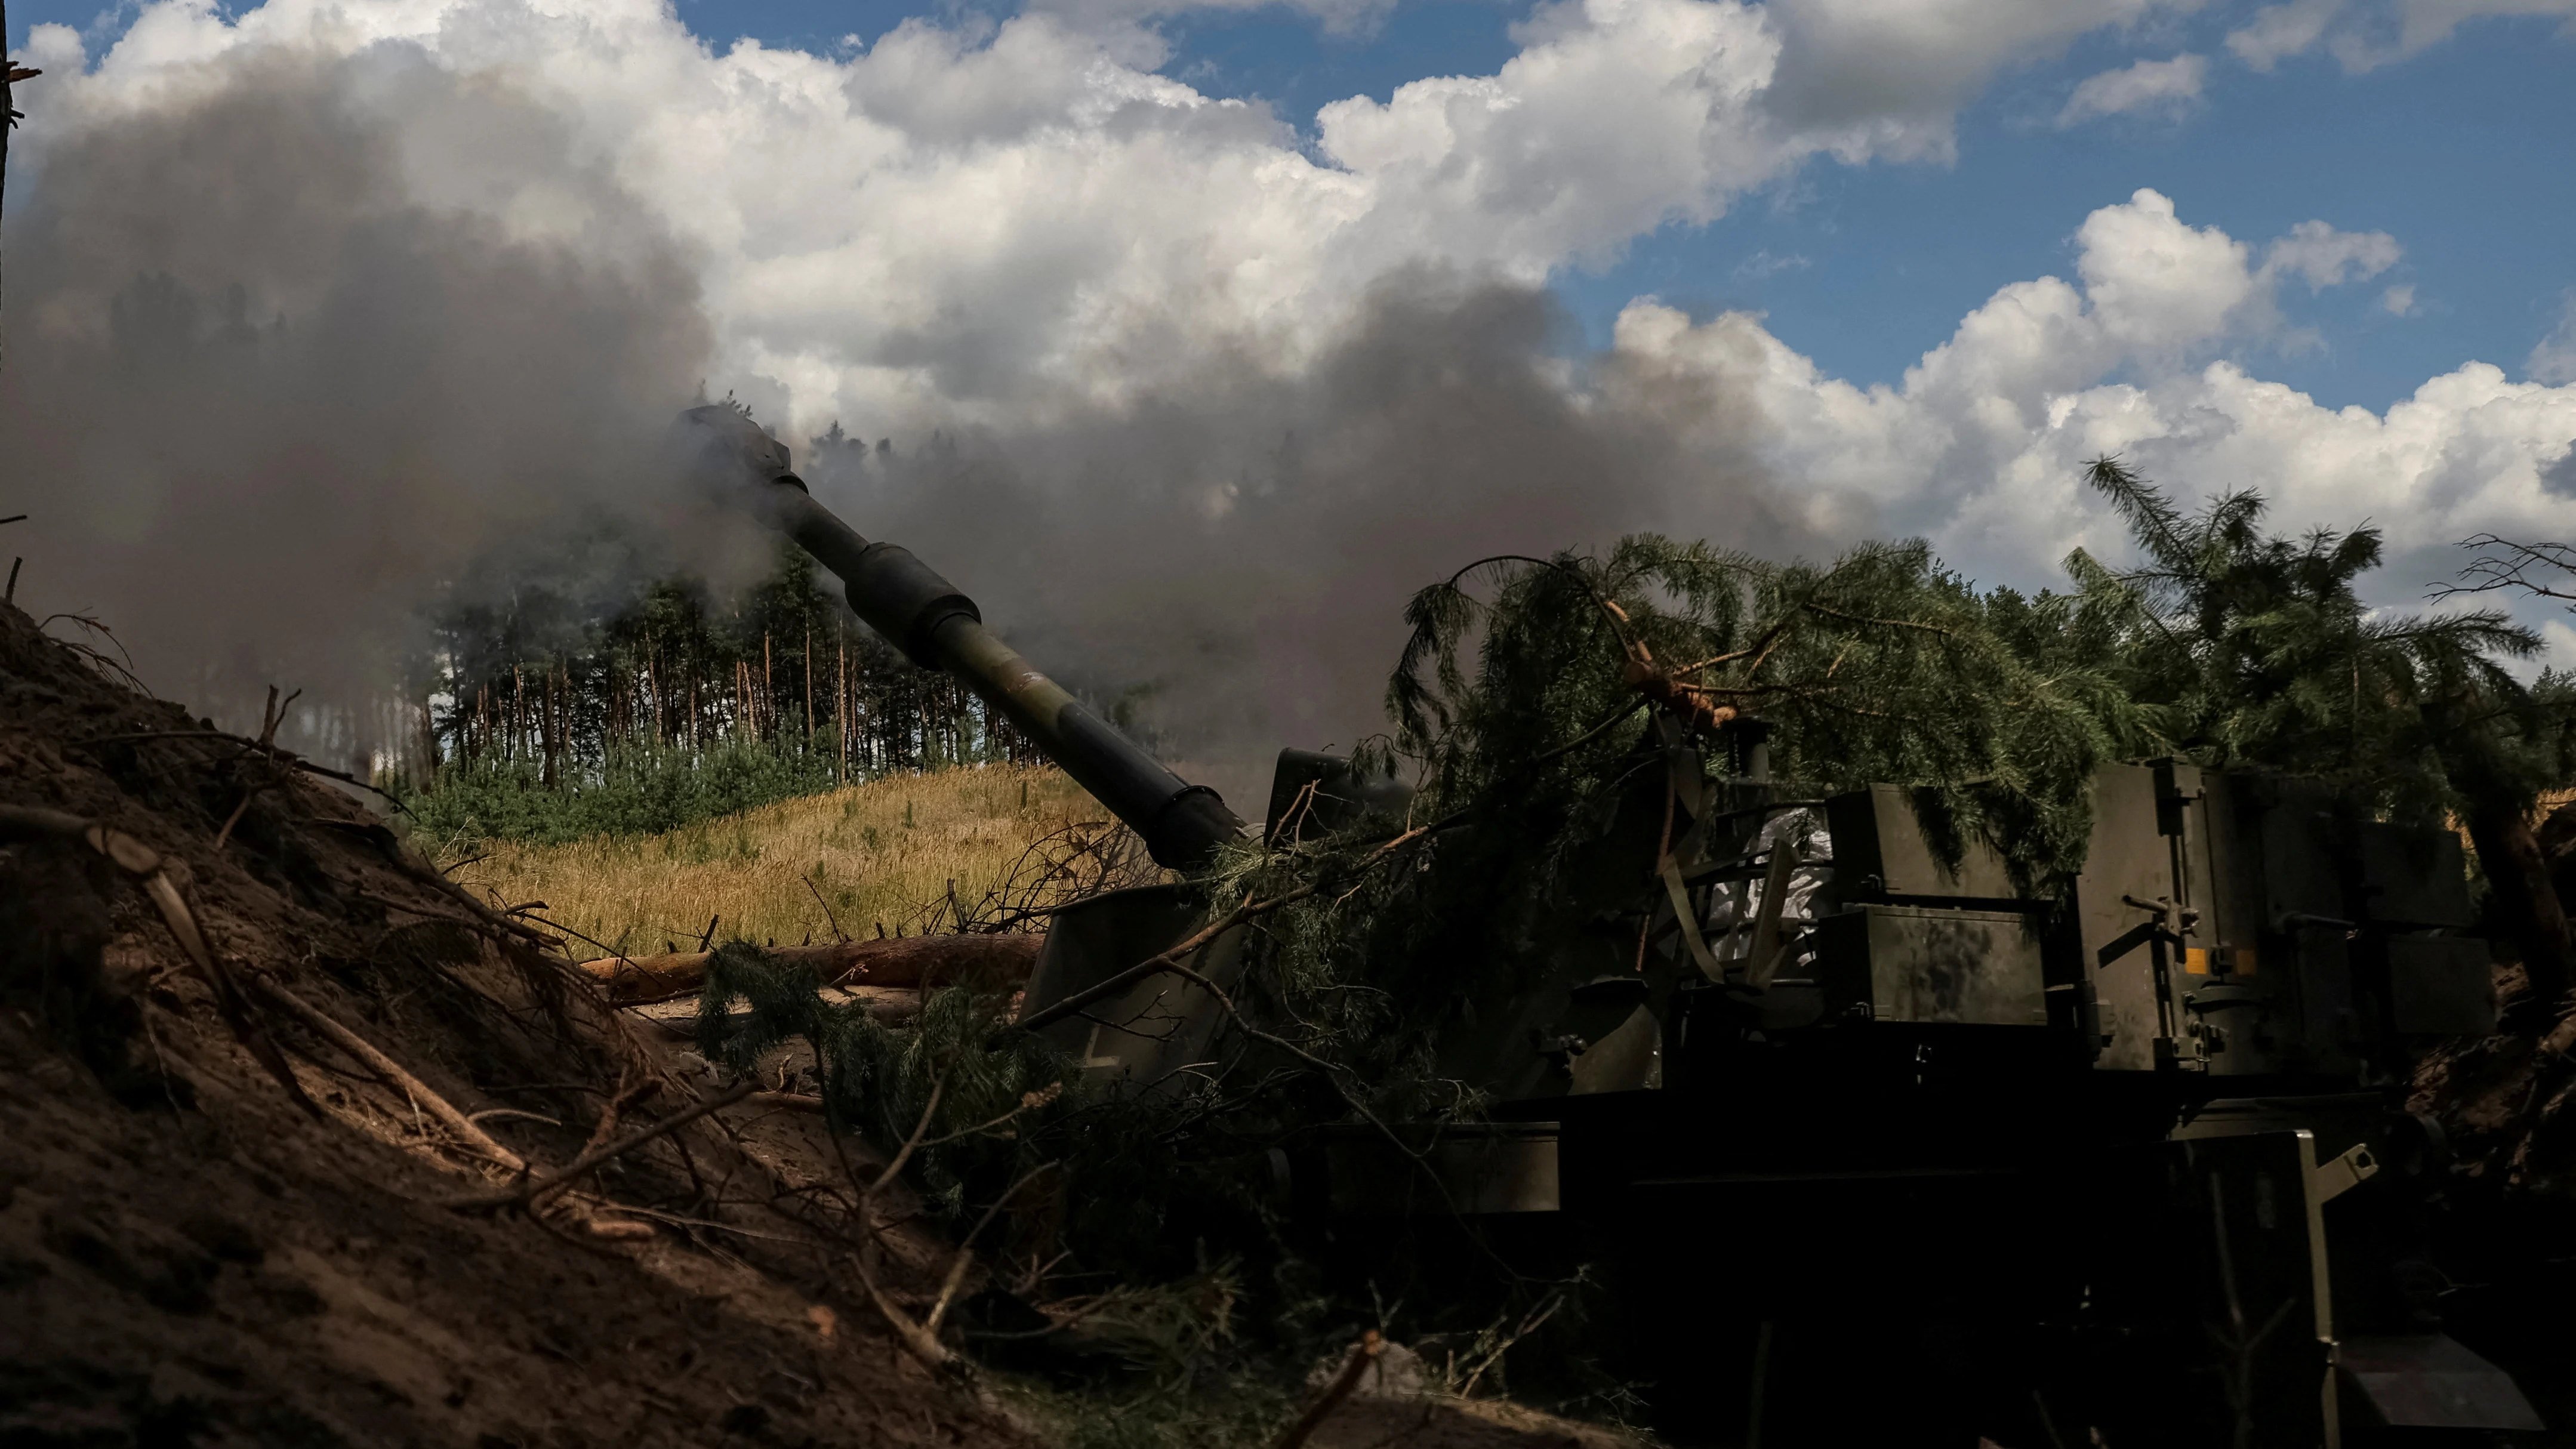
(919, 962)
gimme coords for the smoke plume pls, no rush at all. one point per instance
(265, 401)
(328, 341)
(1241, 550)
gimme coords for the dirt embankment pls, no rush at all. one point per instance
(229, 1178)
(189, 1257)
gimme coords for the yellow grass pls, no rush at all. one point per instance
(877, 852)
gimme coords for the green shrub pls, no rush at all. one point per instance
(635, 789)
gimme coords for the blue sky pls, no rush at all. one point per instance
(2466, 155)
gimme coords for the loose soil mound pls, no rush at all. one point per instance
(189, 1257)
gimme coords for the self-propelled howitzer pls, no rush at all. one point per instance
(938, 627)
(2125, 1156)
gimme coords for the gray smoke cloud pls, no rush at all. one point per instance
(276, 381)
(1243, 549)
(265, 396)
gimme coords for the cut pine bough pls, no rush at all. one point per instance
(918, 962)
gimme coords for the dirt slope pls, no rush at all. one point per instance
(191, 1256)
(187, 1257)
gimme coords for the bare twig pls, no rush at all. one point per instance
(917, 1341)
(921, 1343)
(146, 867)
(282, 756)
(491, 919)
(389, 1071)
(629, 1093)
(1029, 1102)
(920, 1337)
(1074, 862)
(490, 1113)
(921, 1129)
(555, 925)
(539, 1191)
(1915, 624)
(2505, 564)
(249, 794)
(1363, 1354)
(1611, 613)
(1529, 1325)
(124, 670)
(272, 715)
(958, 1265)
(827, 908)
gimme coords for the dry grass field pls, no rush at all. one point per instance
(878, 854)
(881, 854)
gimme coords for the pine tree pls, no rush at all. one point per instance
(1883, 666)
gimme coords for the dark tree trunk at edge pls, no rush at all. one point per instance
(2529, 905)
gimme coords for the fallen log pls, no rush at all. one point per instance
(893, 1005)
(919, 962)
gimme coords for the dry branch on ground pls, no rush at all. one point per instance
(919, 962)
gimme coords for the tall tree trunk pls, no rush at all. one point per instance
(2557, 837)
(2529, 904)
(809, 687)
(841, 710)
(546, 730)
(428, 739)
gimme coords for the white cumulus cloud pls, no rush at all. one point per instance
(2149, 85)
(2554, 359)
(2366, 34)
(1980, 447)
(2560, 642)
(2325, 257)
(1895, 70)
(2279, 31)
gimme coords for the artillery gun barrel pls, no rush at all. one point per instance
(933, 622)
